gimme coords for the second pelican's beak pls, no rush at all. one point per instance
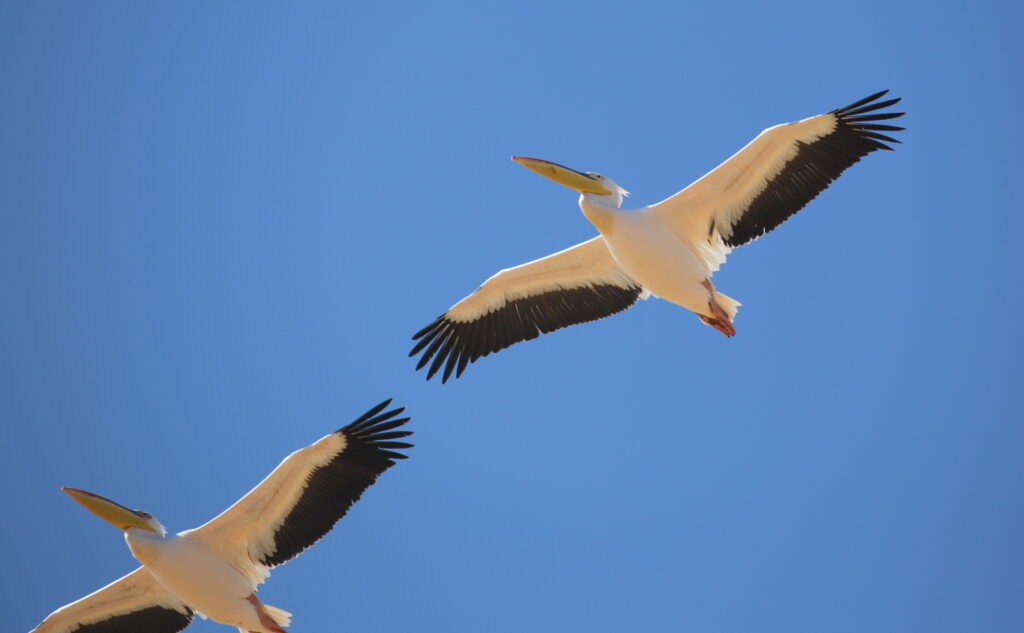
(109, 511)
(584, 183)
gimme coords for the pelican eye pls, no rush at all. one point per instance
(144, 515)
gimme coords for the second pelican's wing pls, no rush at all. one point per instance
(302, 499)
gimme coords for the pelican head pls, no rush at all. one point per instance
(114, 513)
(585, 182)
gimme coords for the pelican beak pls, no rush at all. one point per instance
(584, 183)
(109, 511)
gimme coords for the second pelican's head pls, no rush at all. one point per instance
(115, 513)
(590, 184)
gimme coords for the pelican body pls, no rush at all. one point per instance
(215, 569)
(670, 249)
(648, 251)
(209, 584)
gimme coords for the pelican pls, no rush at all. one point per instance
(214, 569)
(670, 249)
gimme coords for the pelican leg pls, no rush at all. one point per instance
(719, 318)
(265, 619)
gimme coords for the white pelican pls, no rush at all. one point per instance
(670, 249)
(214, 569)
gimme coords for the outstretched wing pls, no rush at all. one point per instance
(777, 174)
(306, 494)
(579, 284)
(133, 603)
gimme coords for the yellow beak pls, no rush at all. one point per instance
(584, 183)
(109, 511)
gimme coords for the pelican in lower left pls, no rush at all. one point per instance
(214, 569)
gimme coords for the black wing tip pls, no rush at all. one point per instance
(449, 346)
(376, 431)
(438, 341)
(866, 100)
(376, 422)
(433, 324)
(372, 412)
(444, 376)
(861, 118)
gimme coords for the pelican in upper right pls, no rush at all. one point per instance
(670, 249)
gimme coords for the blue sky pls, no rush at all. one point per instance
(221, 222)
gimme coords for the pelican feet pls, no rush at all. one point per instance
(265, 619)
(719, 318)
(719, 323)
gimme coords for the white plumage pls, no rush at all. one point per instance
(214, 570)
(670, 249)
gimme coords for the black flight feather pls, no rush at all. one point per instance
(455, 344)
(815, 166)
(150, 619)
(331, 489)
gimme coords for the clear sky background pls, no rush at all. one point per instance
(221, 222)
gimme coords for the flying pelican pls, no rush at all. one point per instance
(670, 249)
(214, 569)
